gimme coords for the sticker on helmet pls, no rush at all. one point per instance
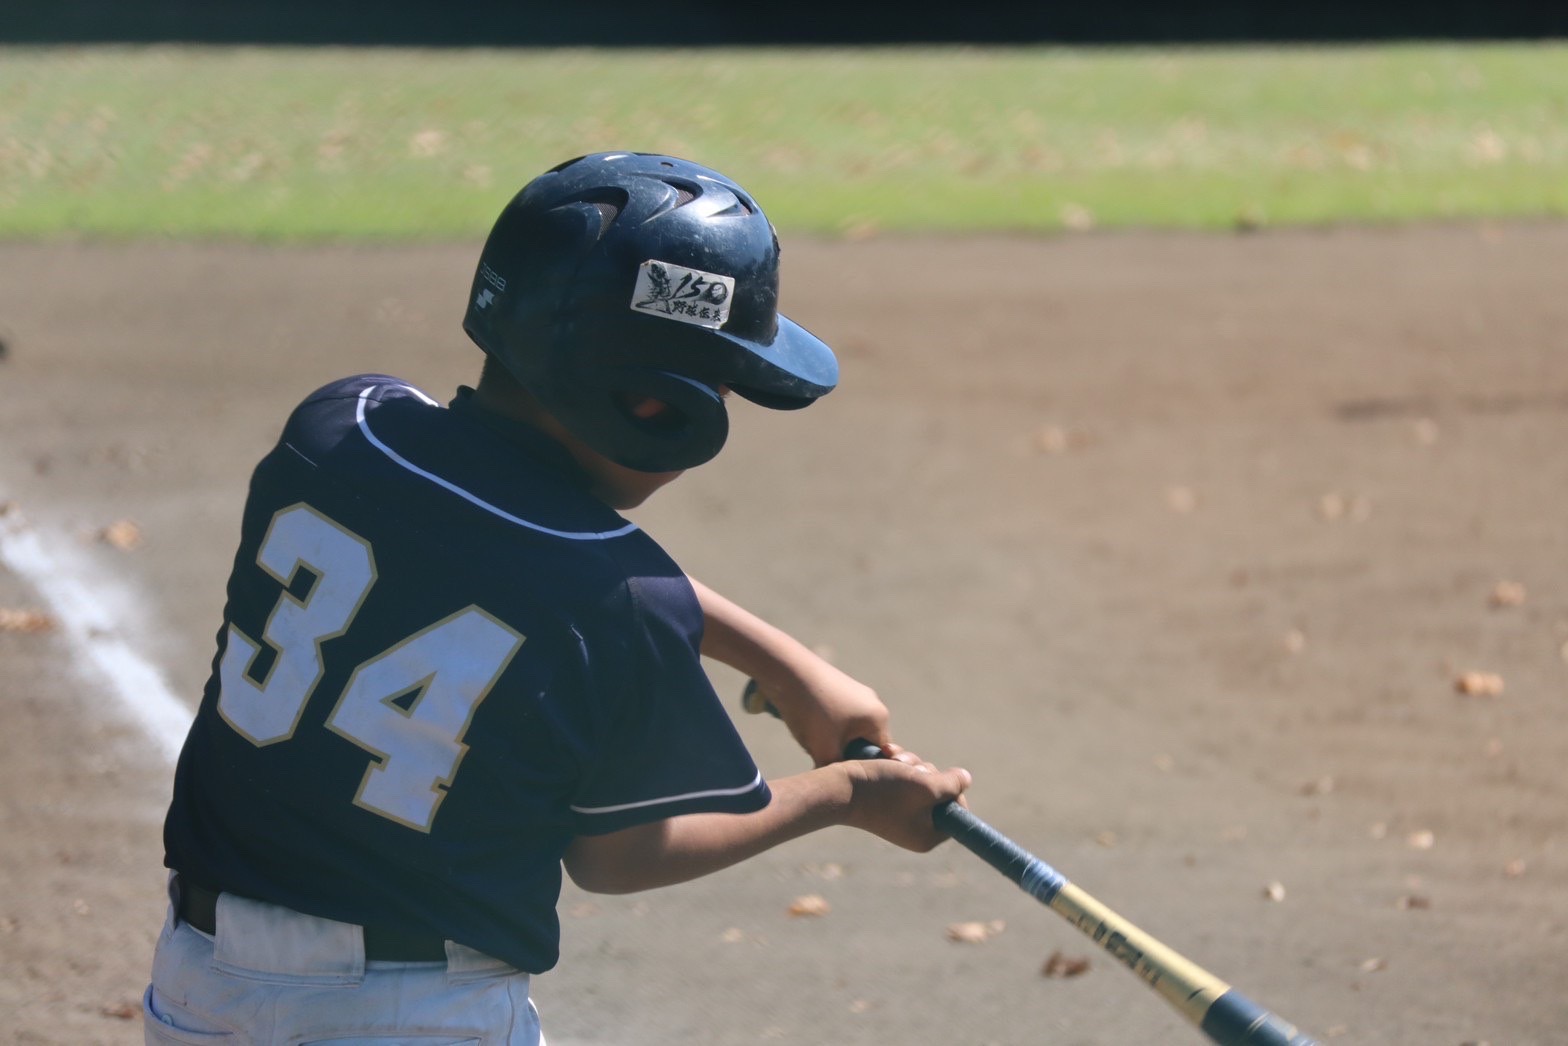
(678, 293)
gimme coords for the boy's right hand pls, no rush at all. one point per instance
(893, 797)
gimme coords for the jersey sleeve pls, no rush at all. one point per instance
(667, 746)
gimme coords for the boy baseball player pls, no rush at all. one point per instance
(449, 667)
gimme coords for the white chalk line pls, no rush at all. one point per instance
(83, 603)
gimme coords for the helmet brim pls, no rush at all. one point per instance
(791, 371)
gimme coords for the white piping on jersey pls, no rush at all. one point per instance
(711, 793)
(445, 484)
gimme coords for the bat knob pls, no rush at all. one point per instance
(753, 702)
(1235, 1020)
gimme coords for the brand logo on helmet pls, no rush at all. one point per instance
(678, 293)
(492, 277)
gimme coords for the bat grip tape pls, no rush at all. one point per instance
(1033, 875)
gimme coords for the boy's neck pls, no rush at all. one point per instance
(614, 484)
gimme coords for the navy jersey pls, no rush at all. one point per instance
(441, 659)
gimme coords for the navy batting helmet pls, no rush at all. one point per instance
(618, 277)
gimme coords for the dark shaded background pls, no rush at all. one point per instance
(640, 22)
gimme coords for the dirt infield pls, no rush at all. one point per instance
(1206, 555)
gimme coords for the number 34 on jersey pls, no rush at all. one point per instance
(408, 706)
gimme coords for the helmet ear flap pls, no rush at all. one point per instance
(649, 420)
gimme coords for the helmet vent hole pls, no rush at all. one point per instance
(607, 213)
(608, 202)
(685, 191)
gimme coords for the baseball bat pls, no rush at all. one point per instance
(1223, 1014)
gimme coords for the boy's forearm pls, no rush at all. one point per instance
(742, 640)
(682, 848)
(824, 708)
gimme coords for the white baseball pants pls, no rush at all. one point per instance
(276, 977)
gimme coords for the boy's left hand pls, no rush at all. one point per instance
(825, 709)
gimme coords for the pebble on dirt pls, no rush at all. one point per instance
(1059, 965)
(975, 932)
(810, 905)
(1479, 684)
(1507, 594)
(121, 534)
(23, 619)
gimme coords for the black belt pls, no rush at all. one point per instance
(199, 907)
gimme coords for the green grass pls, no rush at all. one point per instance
(405, 144)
